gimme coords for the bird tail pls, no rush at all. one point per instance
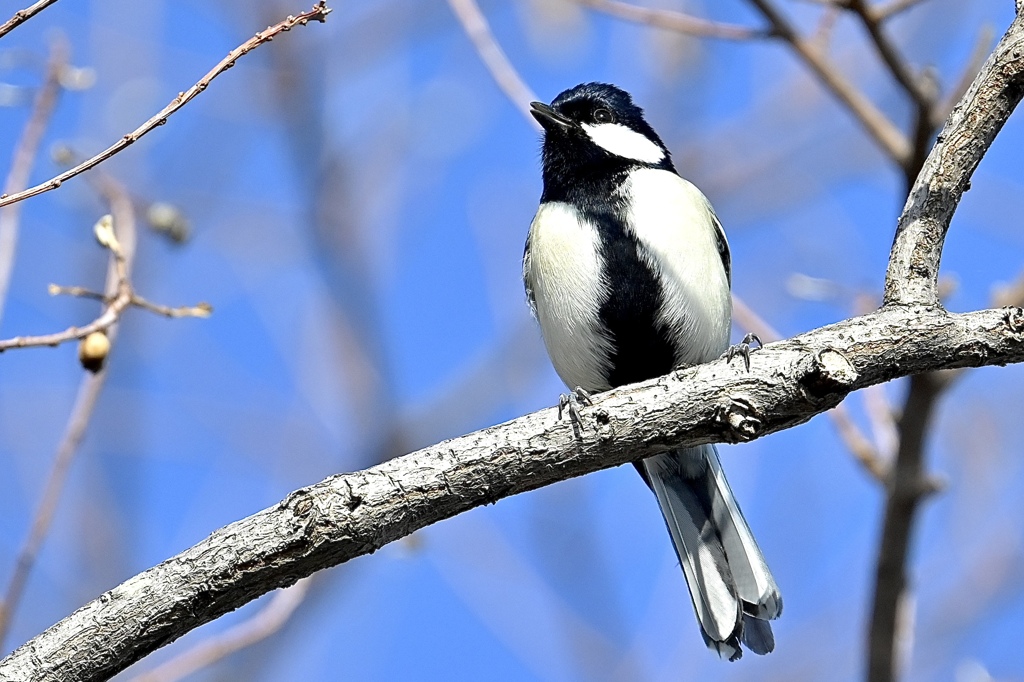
(733, 592)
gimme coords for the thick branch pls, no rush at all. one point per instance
(912, 277)
(354, 514)
(908, 485)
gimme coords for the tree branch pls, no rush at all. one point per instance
(893, 8)
(893, 142)
(908, 485)
(261, 625)
(898, 66)
(856, 442)
(89, 389)
(790, 381)
(912, 276)
(354, 514)
(474, 23)
(25, 154)
(23, 15)
(676, 21)
(318, 13)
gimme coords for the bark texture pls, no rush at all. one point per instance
(349, 515)
(789, 382)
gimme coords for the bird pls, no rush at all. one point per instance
(628, 272)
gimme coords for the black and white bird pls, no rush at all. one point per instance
(627, 270)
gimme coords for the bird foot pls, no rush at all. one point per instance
(743, 349)
(575, 399)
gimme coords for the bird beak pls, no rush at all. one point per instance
(549, 118)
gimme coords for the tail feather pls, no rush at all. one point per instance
(754, 582)
(733, 592)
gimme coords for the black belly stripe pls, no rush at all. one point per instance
(642, 349)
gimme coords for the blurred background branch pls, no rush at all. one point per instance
(356, 200)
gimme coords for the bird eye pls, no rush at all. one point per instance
(602, 115)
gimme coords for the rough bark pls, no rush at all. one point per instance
(913, 271)
(349, 515)
(789, 382)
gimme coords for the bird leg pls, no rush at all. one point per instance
(574, 400)
(743, 349)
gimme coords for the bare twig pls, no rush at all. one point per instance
(318, 13)
(117, 302)
(23, 15)
(261, 625)
(884, 428)
(122, 248)
(494, 58)
(859, 446)
(896, 63)
(891, 140)
(883, 12)
(826, 24)
(676, 21)
(25, 153)
(198, 310)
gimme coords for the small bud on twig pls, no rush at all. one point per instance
(93, 350)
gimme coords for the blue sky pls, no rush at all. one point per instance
(358, 227)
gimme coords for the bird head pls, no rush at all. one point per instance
(597, 124)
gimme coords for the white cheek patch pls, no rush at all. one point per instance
(621, 141)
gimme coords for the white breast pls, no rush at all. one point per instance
(562, 267)
(676, 228)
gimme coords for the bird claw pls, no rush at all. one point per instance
(573, 400)
(743, 349)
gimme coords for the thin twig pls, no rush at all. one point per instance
(897, 65)
(494, 58)
(884, 12)
(885, 133)
(884, 427)
(25, 153)
(78, 292)
(318, 13)
(122, 249)
(676, 21)
(859, 446)
(23, 15)
(198, 310)
(261, 625)
(826, 24)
